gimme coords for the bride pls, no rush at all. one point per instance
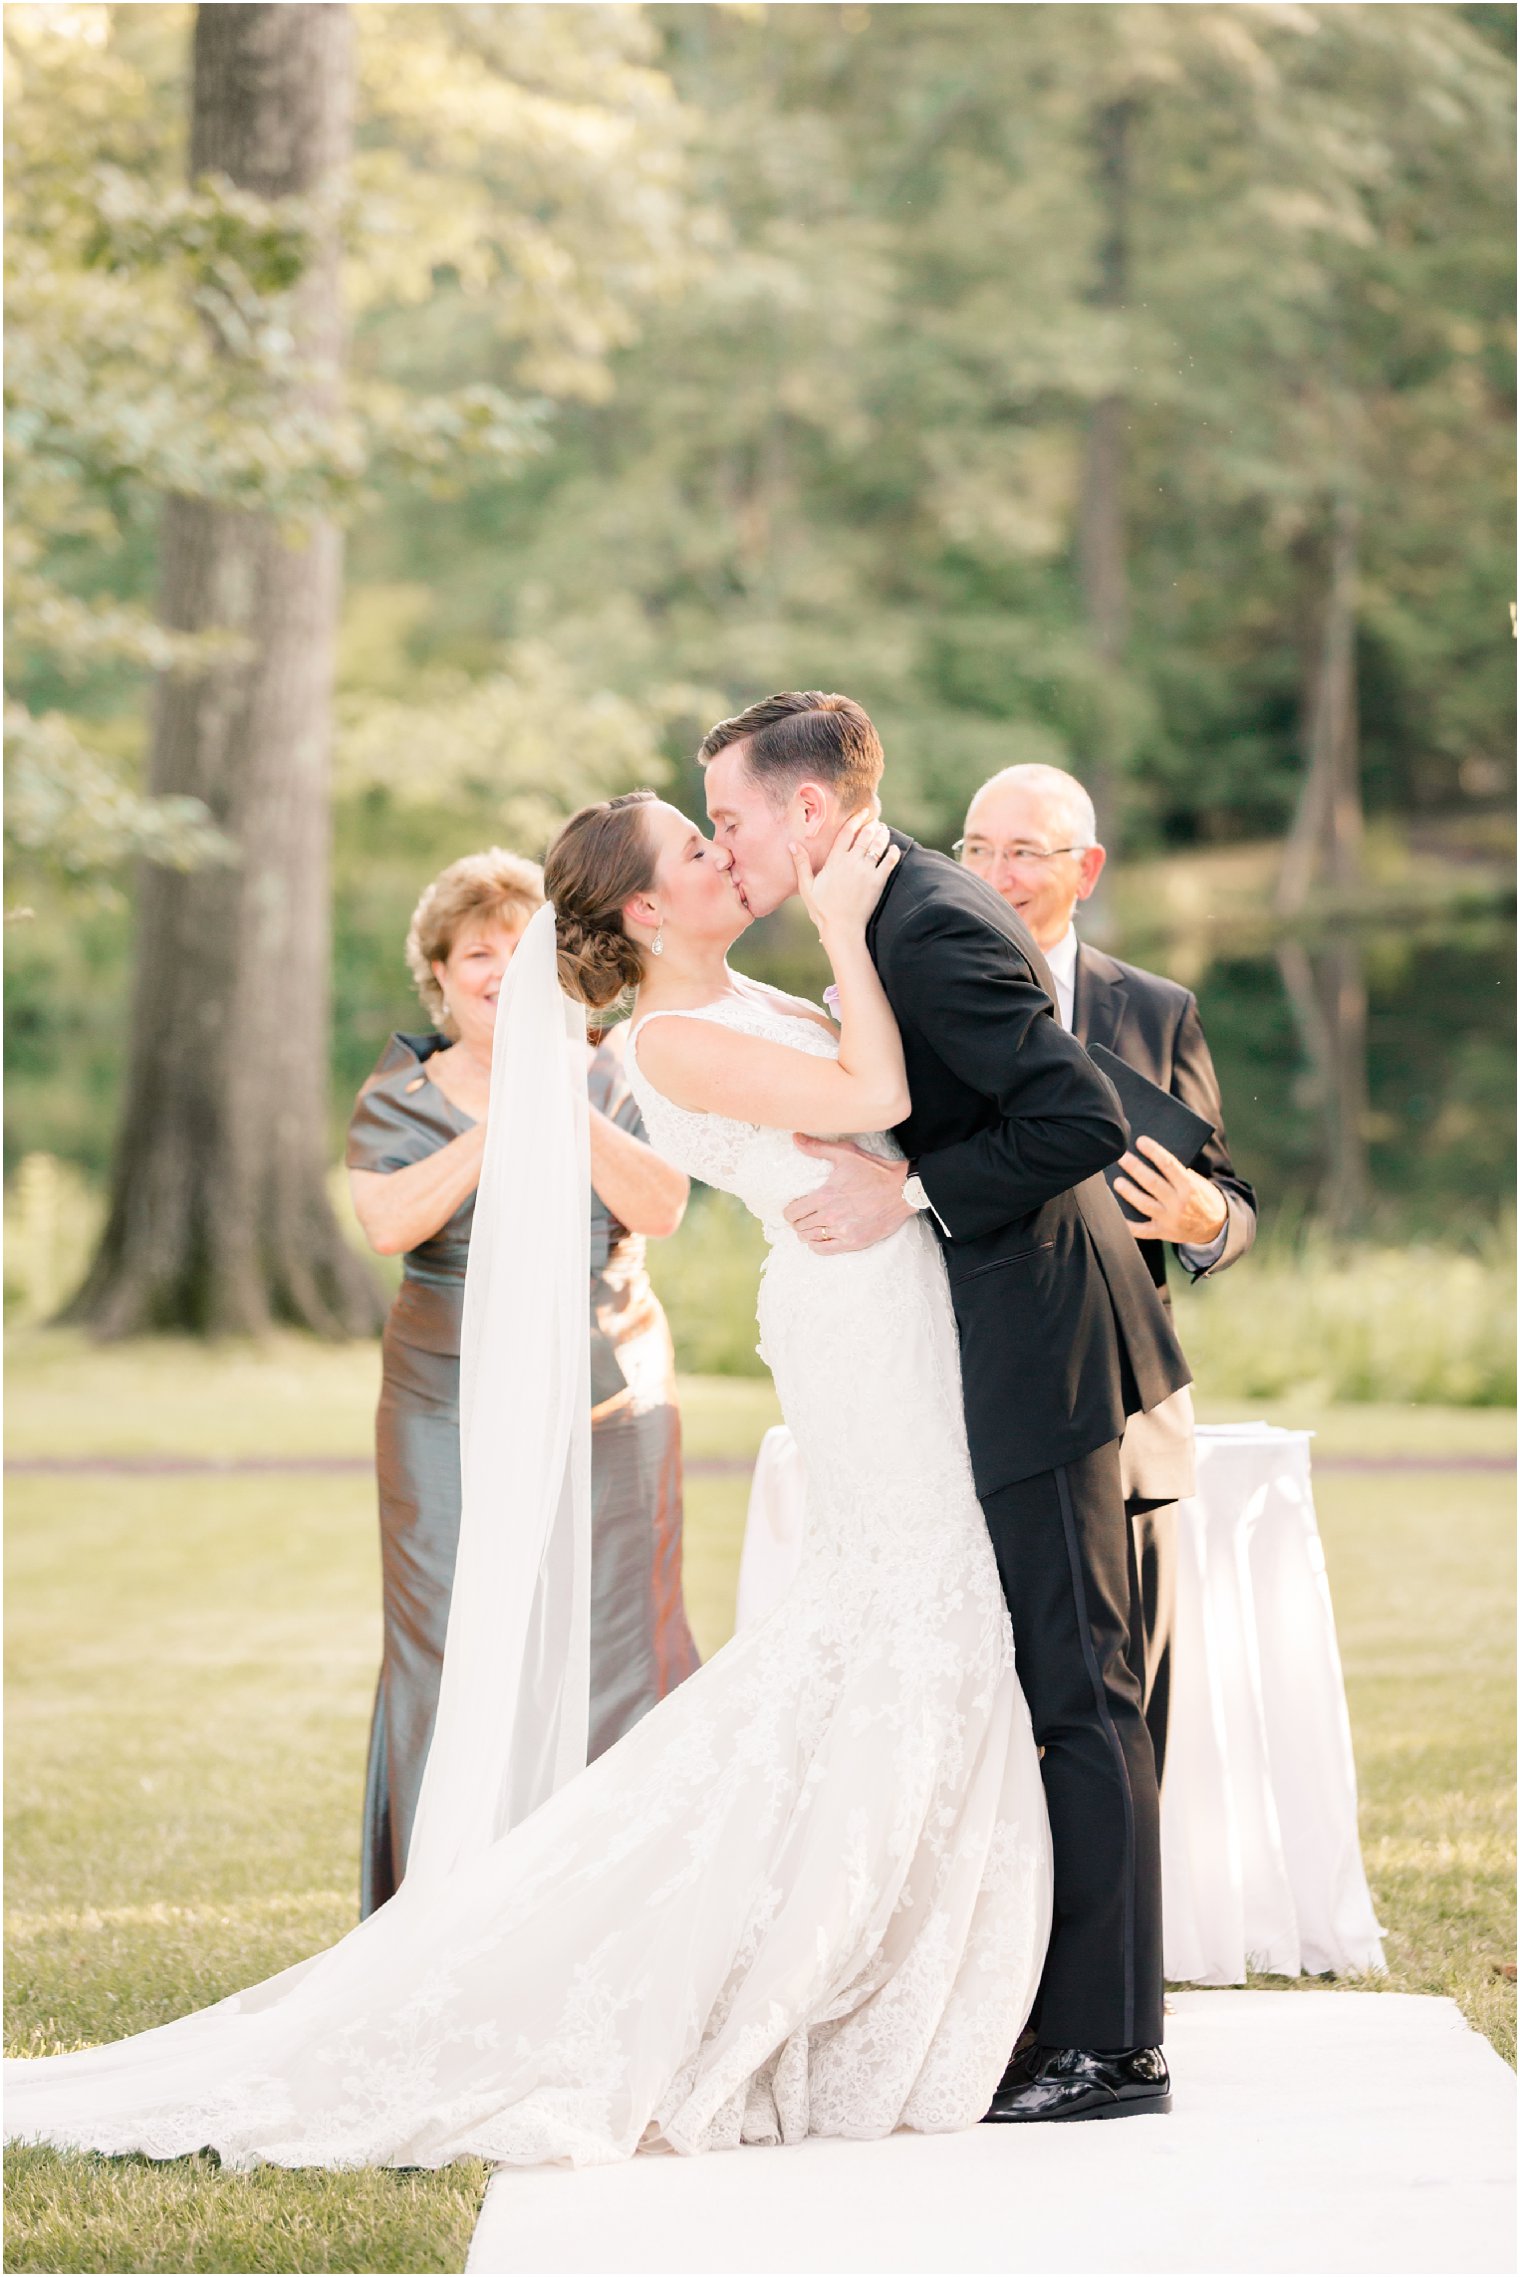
(810, 1892)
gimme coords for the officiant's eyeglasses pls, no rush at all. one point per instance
(975, 851)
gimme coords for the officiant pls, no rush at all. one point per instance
(1031, 832)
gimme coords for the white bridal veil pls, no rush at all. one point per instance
(513, 1705)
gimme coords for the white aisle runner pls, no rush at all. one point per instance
(1313, 2131)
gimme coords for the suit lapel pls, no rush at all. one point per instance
(905, 846)
(1100, 999)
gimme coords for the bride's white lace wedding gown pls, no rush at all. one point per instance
(809, 1893)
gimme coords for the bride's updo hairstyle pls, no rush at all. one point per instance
(601, 858)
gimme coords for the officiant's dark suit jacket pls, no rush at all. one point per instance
(1062, 1333)
(1152, 1024)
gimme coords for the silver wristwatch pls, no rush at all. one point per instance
(914, 1195)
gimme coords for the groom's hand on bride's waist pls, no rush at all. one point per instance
(860, 1202)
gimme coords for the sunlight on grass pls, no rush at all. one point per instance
(68, 2213)
(286, 1396)
(1422, 1572)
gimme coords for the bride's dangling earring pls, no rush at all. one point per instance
(659, 939)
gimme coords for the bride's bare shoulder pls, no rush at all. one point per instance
(791, 1007)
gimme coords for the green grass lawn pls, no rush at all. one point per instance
(1422, 1572)
(191, 1661)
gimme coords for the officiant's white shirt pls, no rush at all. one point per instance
(1062, 960)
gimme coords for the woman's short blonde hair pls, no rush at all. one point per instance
(480, 889)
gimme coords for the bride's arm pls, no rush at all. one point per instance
(715, 1070)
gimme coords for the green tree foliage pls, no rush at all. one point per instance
(115, 394)
(853, 452)
(518, 197)
(780, 335)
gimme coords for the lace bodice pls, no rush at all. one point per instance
(878, 1318)
(752, 1160)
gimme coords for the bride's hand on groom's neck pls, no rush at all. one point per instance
(841, 894)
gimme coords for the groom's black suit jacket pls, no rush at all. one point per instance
(1062, 1333)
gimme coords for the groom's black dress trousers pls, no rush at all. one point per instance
(1062, 1335)
(1065, 1567)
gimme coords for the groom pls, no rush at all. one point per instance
(1062, 1336)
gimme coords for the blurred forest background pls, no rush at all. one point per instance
(1129, 387)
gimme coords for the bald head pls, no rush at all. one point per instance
(1051, 789)
(1032, 834)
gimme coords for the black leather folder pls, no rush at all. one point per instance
(1150, 1113)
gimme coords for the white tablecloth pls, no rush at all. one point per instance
(1261, 1860)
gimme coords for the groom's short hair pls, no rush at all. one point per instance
(804, 736)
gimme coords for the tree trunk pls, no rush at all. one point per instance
(1101, 554)
(1326, 837)
(1328, 992)
(219, 1220)
(1328, 988)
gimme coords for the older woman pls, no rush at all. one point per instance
(414, 1153)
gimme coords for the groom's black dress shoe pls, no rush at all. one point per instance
(1080, 2083)
(1019, 2064)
